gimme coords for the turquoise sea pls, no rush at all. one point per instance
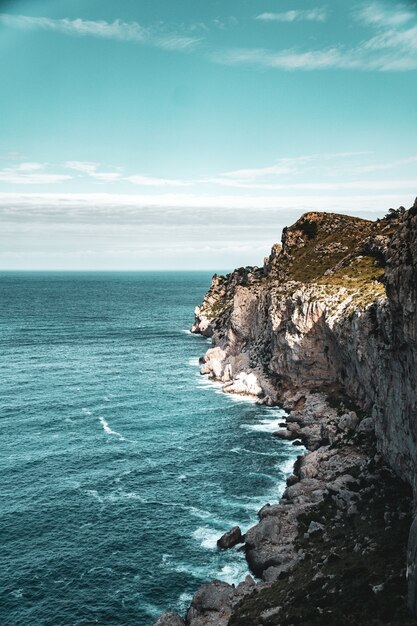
(120, 465)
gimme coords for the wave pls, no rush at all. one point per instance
(238, 397)
(207, 537)
(108, 430)
(233, 574)
(194, 362)
(229, 573)
(287, 467)
(184, 601)
(238, 450)
(264, 425)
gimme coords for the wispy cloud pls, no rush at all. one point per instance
(311, 15)
(149, 181)
(392, 46)
(287, 59)
(381, 167)
(117, 30)
(92, 205)
(30, 174)
(284, 166)
(92, 169)
(376, 14)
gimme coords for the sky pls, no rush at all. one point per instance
(185, 134)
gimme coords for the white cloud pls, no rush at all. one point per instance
(393, 47)
(369, 185)
(30, 167)
(379, 15)
(93, 204)
(379, 167)
(91, 169)
(117, 30)
(311, 15)
(30, 174)
(288, 59)
(286, 165)
(149, 181)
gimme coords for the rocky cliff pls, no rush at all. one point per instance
(333, 306)
(326, 328)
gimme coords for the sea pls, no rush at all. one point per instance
(120, 465)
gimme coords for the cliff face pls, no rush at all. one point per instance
(328, 329)
(333, 310)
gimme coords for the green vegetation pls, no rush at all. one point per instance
(217, 309)
(309, 228)
(336, 237)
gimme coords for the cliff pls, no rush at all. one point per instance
(333, 307)
(326, 328)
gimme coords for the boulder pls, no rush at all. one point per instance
(230, 539)
(169, 619)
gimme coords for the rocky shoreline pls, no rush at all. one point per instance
(343, 509)
(326, 329)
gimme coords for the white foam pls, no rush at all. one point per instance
(207, 537)
(94, 494)
(194, 362)
(182, 477)
(85, 411)
(205, 382)
(239, 397)
(203, 515)
(108, 430)
(287, 467)
(264, 426)
(233, 574)
(186, 331)
(184, 601)
(238, 450)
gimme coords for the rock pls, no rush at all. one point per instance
(244, 384)
(315, 528)
(169, 619)
(292, 480)
(230, 539)
(367, 425)
(412, 567)
(283, 434)
(212, 605)
(295, 327)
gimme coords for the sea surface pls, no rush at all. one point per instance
(120, 466)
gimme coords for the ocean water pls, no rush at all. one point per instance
(120, 465)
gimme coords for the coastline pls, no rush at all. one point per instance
(330, 483)
(319, 338)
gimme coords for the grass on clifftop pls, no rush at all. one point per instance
(362, 277)
(333, 238)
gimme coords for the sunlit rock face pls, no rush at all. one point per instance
(334, 307)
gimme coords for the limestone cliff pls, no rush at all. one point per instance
(328, 329)
(333, 308)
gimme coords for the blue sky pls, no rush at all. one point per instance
(186, 133)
